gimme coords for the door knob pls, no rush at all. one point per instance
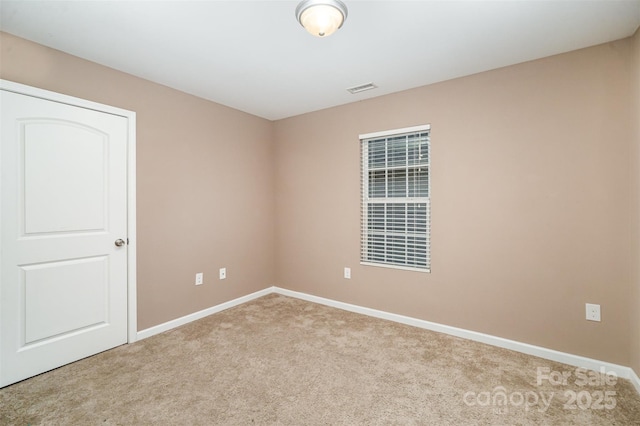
(119, 242)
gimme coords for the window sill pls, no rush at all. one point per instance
(404, 268)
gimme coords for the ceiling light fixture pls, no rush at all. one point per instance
(321, 17)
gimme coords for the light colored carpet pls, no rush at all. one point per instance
(278, 360)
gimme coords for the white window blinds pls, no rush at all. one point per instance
(395, 199)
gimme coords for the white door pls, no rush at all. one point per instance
(63, 283)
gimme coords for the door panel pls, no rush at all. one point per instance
(71, 204)
(63, 288)
(51, 291)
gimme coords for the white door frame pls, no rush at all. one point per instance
(132, 316)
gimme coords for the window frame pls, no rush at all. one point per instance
(366, 200)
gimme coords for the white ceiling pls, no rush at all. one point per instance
(254, 56)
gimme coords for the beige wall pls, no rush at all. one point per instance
(531, 176)
(635, 294)
(204, 182)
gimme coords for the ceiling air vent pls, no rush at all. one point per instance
(361, 88)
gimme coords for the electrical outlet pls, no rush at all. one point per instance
(223, 273)
(347, 273)
(593, 312)
(199, 278)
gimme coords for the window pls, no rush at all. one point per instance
(395, 199)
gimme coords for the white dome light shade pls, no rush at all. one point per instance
(321, 18)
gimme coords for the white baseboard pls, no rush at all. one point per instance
(545, 353)
(550, 354)
(148, 332)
